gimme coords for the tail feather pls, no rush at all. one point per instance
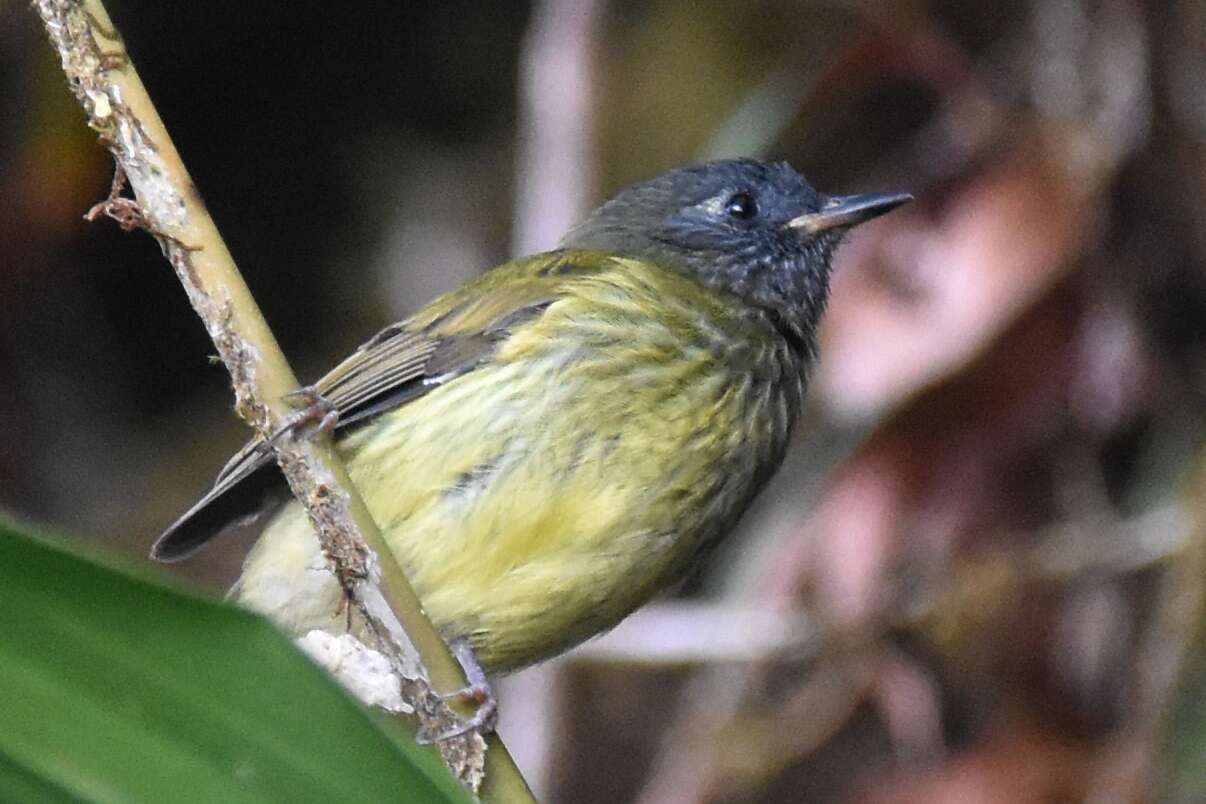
(226, 506)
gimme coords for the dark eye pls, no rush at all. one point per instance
(741, 206)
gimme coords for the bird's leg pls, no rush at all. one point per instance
(478, 691)
(314, 407)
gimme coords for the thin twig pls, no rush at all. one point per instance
(167, 205)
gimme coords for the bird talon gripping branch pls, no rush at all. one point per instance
(483, 720)
(478, 691)
(312, 408)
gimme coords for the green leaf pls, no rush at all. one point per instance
(116, 688)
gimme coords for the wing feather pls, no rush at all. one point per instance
(453, 335)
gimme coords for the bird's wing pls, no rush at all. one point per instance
(453, 335)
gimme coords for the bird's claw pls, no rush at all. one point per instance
(312, 408)
(483, 720)
(485, 717)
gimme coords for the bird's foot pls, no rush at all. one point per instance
(478, 691)
(312, 408)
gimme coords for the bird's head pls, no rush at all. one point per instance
(754, 229)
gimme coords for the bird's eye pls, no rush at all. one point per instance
(741, 206)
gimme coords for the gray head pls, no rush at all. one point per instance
(754, 229)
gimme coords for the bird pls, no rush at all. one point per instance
(572, 432)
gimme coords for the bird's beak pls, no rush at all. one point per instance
(847, 210)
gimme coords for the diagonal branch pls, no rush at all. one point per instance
(168, 206)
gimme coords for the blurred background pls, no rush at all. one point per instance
(980, 576)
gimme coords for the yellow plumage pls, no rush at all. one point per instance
(551, 444)
(603, 441)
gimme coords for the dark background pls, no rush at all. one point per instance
(975, 553)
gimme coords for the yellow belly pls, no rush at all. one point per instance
(538, 500)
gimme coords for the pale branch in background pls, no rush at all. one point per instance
(554, 185)
(167, 205)
(554, 189)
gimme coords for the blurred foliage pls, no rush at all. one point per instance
(985, 529)
(1185, 747)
